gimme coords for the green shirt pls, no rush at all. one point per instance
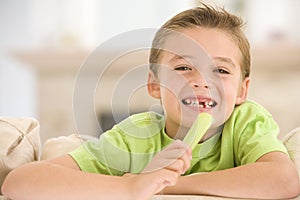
(129, 146)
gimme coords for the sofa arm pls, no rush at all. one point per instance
(292, 143)
(19, 144)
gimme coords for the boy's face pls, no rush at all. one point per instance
(198, 73)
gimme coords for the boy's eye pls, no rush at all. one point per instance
(183, 68)
(221, 71)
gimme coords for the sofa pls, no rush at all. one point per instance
(20, 143)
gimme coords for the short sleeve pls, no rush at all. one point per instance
(103, 156)
(255, 133)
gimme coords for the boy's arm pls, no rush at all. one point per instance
(273, 176)
(61, 178)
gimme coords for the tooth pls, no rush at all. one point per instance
(187, 101)
(194, 103)
(206, 104)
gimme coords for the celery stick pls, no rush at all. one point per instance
(198, 129)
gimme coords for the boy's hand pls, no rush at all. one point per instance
(143, 186)
(175, 157)
(162, 171)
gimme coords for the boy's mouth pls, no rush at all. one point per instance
(199, 102)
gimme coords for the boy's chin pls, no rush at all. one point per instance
(187, 122)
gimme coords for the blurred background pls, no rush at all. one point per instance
(43, 44)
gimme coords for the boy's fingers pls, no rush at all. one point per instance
(180, 165)
(176, 166)
(178, 144)
(180, 160)
(176, 151)
(186, 158)
(175, 157)
(180, 154)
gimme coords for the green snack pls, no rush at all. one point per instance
(198, 129)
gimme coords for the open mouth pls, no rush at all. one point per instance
(199, 102)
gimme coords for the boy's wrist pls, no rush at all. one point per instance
(171, 189)
(130, 186)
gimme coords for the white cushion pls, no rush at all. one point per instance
(19, 144)
(292, 143)
(55, 147)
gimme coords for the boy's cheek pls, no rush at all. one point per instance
(172, 81)
(169, 92)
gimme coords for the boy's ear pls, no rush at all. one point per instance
(153, 86)
(243, 93)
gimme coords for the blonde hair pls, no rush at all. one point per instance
(208, 17)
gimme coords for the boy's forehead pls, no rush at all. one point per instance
(180, 46)
(187, 44)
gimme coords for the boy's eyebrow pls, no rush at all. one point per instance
(180, 57)
(176, 57)
(224, 59)
(187, 57)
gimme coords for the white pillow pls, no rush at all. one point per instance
(55, 147)
(292, 143)
(19, 143)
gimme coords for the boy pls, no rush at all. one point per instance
(200, 62)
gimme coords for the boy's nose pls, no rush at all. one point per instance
(196, 85)
(198, 82)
